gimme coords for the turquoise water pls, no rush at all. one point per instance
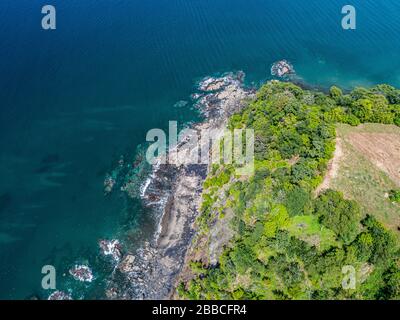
(75, 99)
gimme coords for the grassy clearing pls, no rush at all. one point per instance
(360, 179)
(308, 229)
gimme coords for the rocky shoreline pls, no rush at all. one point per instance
(172, 193)
(175, 191)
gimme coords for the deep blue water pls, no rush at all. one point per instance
(74, 99)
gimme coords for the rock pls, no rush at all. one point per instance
(111, 248)
(152, 197)
(112, 293)
(196, 96)
(282, 69)
(386, 195)
(127, 264)
(212, 84)
(181, 104)
(59, 295)
(174, 193)
(109, 184)
(82, 273)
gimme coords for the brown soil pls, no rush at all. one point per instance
(333, 167)
(381, 149)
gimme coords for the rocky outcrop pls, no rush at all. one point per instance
(175, 190)
(127, 264)
(282, 69)
(59, 295)
(81, 272)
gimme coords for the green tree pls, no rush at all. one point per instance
(364, 245)
(384, 247)
(340, 215)
(298, 201)
(336, 93)
(392, 280)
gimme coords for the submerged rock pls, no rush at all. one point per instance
(109, 183)
(111, 248)
(59, 295)
(82, 273)
(282, 69)
(112, 293)
(212, 84)
(196, 96)
(181, 104)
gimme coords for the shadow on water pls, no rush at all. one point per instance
(50, 159)
(44, 169)
(5, 201)
(47, 163)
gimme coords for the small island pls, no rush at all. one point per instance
(282, 69)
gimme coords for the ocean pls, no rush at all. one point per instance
(78, 99)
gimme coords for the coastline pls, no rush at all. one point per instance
(175, 191)
(172, 193)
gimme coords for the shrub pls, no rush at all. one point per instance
(340, 215)
(394, 196)
(298, 201)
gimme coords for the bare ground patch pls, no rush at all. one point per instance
(366, 165)
(382, 149)
(333, 167)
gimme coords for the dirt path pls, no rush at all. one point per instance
(333, 167)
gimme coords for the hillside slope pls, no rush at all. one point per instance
(368, 168)
(286, 242)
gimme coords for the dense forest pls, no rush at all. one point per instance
(289, 242)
